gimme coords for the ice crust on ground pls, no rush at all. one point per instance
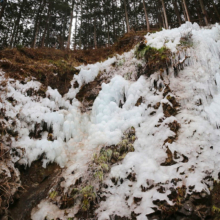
(79, 135)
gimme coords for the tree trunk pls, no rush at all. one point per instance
(46, 29)
(70, 27)
(14, 33)
(113, 19)
(95, 36)
(3, 9)
(198, 10)
(177, 11)
(135, 15)
(204, 12)
(186, 10)
(146, 16)
(126, 17)
(108, 31)
(165, 15)
(162, 16)
(75, 31)
(37, 23)
(216, 10)
(80, 31)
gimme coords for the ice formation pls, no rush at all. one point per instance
(77, 136)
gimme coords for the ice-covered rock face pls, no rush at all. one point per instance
(177, 124)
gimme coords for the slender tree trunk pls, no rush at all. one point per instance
(186, 10)
(162, 16)
(75, 30)
(177, 11)
(204, 12)
(135, 15)
(146, 16)
(3, 9)
(46, 29)
(126, 17)
(37, 23)
(113, 19)
(165, 15)
(14, 33)
(108, 30)
(159, 17)
(35, 35)
(198, 10)
(70, 27)
(216, 10)
(95, 35)
(63, 30)
(80, 35)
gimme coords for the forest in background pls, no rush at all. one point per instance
(65, 24)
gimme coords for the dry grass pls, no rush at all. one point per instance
(55, 68)
(9, 181)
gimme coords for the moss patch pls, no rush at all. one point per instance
(155, 59)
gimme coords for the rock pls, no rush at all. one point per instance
(139, 101)
(174, 126)
(88, 92)
(153, 113)
(187, 208)
(137, 200)
(203, 211)
(166, 91)
(36, 182)
(169, 160)
(154, 216)
(132, 177)
(168, 110)
(157, 105)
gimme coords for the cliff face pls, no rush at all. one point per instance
(135, 137)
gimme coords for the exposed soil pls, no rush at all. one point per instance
(36, 182)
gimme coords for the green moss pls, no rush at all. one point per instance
(53, 195)
(101, 164)
(62, 66)
(116, 155)
(99, 175)
(169, 97)
(74, 191)
(88, 195)
(105, 156)
(186, 43)
(133, 138)
(215, 209)
(144, 50)
(130, 148)
(122, 156)
(105, 167)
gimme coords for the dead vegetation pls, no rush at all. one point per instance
(55, 68)
(9, 180)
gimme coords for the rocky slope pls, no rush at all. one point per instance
(135, 137)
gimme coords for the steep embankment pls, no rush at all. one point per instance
(136, 136)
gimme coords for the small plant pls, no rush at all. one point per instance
(121, 62)
(88, 195)
(99, 174)
(128, 76)
(53, 195)
(143, 50)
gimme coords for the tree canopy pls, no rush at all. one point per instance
(93, 23)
